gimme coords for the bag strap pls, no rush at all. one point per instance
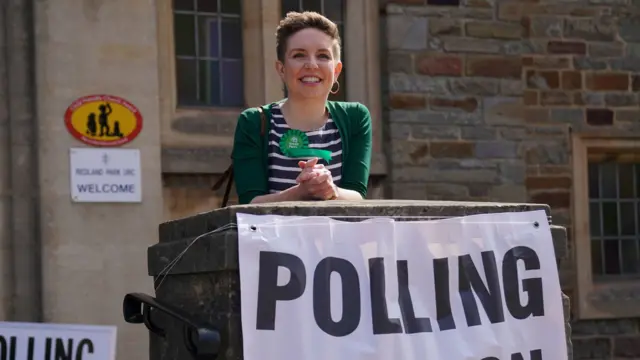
(263, 121)
(228, 174)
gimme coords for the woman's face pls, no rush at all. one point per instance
(310, 67)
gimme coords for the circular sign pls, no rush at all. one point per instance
(103, 120)
(293, 139)
(295, 144)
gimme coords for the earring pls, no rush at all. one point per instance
(336, 90)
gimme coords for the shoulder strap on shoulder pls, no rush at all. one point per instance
(228, 174)
(263, 121)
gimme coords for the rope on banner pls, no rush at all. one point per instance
(167, 269)
(284, 222)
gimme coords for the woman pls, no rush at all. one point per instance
(311, 148)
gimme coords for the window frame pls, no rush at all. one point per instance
(591, 301)
(219, 17)
(261, 82)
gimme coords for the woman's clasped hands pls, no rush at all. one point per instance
(315, 181)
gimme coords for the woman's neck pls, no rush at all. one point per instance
(304, 114)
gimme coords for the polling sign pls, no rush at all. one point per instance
(481, 287)
(46, 341)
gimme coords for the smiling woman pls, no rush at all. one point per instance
(304, 147)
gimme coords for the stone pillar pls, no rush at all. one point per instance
(91, 251)
(5, 175)
(20, 290)
(205, 283)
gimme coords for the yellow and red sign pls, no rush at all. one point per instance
(103, 120)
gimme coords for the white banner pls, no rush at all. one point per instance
(47, 341)
(482, 287)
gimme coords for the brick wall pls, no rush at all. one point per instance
(481, 96)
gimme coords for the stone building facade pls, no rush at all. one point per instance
(529, 101)
(487, 100)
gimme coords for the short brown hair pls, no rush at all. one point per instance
(295, 21)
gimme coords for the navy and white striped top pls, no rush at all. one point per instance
(284, 170)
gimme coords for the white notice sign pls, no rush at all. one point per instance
(56, 341)
(105, 175)
(481, 287)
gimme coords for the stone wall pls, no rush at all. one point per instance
(482, 98)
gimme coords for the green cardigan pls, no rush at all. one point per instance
(250, 152)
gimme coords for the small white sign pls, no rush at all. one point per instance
(57, 341)
(105, 175)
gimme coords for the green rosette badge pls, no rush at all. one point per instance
(295, 144)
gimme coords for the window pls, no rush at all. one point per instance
(614, 217)
(334, 10)
(606, 225)
(208, 50)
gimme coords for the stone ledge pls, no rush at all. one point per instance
(205, 222)
(219, 252)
